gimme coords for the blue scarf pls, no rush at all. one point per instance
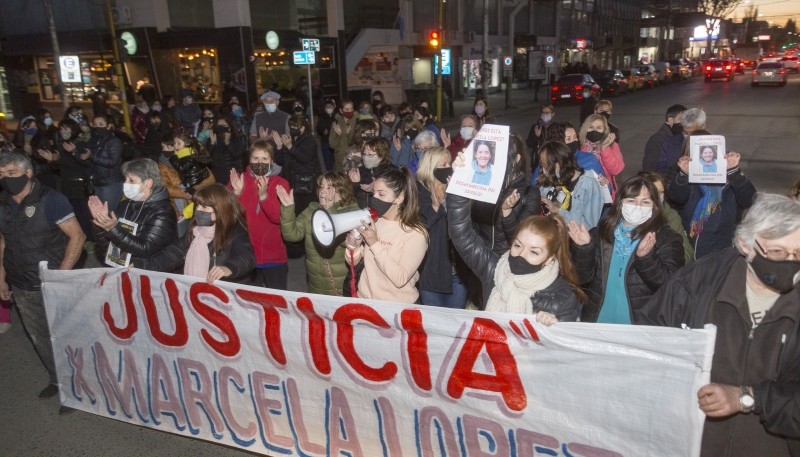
(623, 243)
(710, 167)
(708, 205)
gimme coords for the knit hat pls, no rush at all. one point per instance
(270, 94)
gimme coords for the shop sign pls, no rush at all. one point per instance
(70, 67)
(445, 62)
(764, 38)
(130, 42)
(272, 40)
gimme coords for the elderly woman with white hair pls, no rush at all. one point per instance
(750, 293)
(144, 223)
(420, 144)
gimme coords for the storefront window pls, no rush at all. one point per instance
(96, 74)
(472, 74)
(199, 71)
(275, 68)
(5, 102)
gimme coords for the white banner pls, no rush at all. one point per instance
(282, 373)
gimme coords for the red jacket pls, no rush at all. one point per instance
(457, 144)
(264, 218)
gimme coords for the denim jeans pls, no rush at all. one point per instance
(457, 299)
(30, 304)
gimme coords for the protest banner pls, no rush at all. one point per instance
(283, 373)
(481, 176)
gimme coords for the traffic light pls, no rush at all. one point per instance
(435, 38)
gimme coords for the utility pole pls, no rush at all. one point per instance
(511, 50)
(51, 23)
(123, 97)
(485, 56)
(440, 60)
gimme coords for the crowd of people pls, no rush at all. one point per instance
(218, 193)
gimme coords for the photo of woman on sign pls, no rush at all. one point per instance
(482, 162)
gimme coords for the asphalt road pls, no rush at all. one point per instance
(763, 124)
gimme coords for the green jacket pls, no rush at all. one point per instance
(340, 142)
(675, 223)
(325, 268)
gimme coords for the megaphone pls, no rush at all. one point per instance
(327, 227)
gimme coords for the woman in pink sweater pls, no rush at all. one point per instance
(597, 138)
(393, 246)
(256, 190)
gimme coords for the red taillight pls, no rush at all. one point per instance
(555, 88)
(783, 72)
(578, 87)
(708, 68)
(755, 72)
(727, 67)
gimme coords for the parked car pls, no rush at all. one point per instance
(790, 64)
(635, 81)
(769, 73)
(611, 82)
(571, 87)
(718, 69)
(680, 69)
(648, 73)
(663, 72)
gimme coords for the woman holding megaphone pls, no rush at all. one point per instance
(393, 246)
(325, 267)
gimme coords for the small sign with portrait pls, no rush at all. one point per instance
(481, 175)
(116, 257)
(708, 164)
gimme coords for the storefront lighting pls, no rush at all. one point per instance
(205, 52)
(282, 53)
(180, 55)
(269, 54)
(197, 55)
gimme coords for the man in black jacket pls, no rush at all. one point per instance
(751, 295)
(36, 223)
(671, 126)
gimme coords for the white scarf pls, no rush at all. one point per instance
(512, 293)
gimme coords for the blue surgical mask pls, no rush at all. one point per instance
(48, 121)
(237, 111)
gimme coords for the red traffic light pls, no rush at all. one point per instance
(434, 37)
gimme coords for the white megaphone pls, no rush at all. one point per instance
(327, 227)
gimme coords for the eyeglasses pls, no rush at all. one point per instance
(778, 253)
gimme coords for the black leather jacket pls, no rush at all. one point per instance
(529, 204)
(158, 227)
(238, 256)
(558, 298)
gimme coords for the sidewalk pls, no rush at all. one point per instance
(522, 101)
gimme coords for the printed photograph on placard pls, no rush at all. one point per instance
(116, 257)
(708, 164)
(479, 175)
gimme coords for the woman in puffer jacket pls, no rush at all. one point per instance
(519, 199)
(325, 267)
(535, 276)
(217, 245)
(625, 260)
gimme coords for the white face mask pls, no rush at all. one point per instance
(270, 107)
(547, 117)
(371, 161)
(636, 215)
(479, 110)
(466, 133)
(329, 111)
(132, 191)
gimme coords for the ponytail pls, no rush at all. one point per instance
(402, 182)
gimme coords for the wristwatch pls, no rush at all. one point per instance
(746, 400)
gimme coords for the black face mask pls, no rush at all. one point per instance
(260, 169)
(380, 206)
(443, 174)
(293, 132)
(208, 119)
(221, 129)
(595, 137)
(203, 219)
(100, 132)
(676, 128)
(411, 134)
(573, 147)
(520, 266)
(14, 185)
(776, 274)
(606, 114)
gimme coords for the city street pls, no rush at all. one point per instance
(761, 123)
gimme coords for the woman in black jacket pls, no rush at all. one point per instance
(227, 150)
(105, 152)
(144, 224)
(297, 155)
(440, 281)
(217, 244)
(374, 161)
(628, 257)
(74, 164)
(535, 276)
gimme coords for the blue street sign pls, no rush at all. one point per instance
(310, 44)
(304, 58)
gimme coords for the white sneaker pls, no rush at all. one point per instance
(4, 326)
